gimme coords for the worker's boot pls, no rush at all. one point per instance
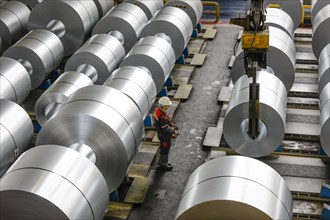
(163, 163)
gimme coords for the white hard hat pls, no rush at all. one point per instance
(164, 101)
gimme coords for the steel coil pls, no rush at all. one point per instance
(173, 22)
(31, 3)
(53, 182)
(15, 82)
(136, 83)
(280, 19)
(40, 52)
(103, 52)
(325, 118)
(272, 116)
(231, 187)
(194, 9)
(103, 6)
(281, 58)
(293, 8)
(71, 21)
(1, 47)
(155, 54)
(148, 6)
(324, 67)
(13, 22)
(321, 33)
(58, 94)
(105, 120)
(317, 5)
(126, 18)
(16, 133)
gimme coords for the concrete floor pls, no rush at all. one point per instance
(193, 117)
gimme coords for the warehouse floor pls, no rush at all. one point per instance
(193, 117)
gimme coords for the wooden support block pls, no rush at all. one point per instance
(209, 33)
(118, 210)
(138, 170)
(213, 137)
(198, 59)
(183, 91)
(138, 190)
(182, 73)
(225, 93)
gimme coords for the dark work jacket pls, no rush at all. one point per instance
(163, 125)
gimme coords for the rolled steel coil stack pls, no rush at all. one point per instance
(137, 84)
(317, 5)
(272, 114)
(321, 49)
(148, 6)
(281, 58)
(14, 17)
(71, 21)
(53, 182)
(231, 187)
(174, 23)
(278, 18)
(58, 94)
(126, 18)
(15, 82)
(40, 52)
(103, 119)
(320, 25)
(97, 58)
(275, 83)
(325, 118)
(90, 140)
(30, 3)
(292, 8)
(194, 9)
(154, 53)
(16, 131)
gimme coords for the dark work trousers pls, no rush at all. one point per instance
(164, 147)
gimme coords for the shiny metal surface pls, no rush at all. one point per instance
(193, 8)
(104, 119)
(103, 6)
(74, 19)
(325, 118)
(41, 50)
(272, 116)
(321, 34)
(175, 23)
(126, 18)
(102, 51)
(36, 184)
(119, 102)
(137, 84)
(148, 6)
(15, 82)
(280, 19)
(1, 47)
(13, 22)
(281, 58)
(154, 53)
(16, 133)
(231, 187)
(293, 8)
(317, 5)
(324, 67)
(58, 94)
(30, 3)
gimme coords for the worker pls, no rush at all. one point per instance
(165, 132)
